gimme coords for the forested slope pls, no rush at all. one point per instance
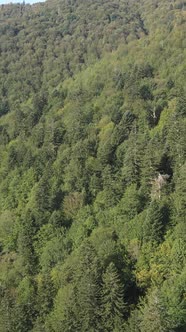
(92, 166)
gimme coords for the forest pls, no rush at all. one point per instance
(93, 166)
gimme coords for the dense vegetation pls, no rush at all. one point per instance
(93, 166)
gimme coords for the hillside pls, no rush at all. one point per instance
(93, 166)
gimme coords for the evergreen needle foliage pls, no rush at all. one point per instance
(93, 166)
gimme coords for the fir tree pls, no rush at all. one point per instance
(113, 306)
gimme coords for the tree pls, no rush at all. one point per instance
(154, 317)
(156, 220)
(87, 283)
(113, 306)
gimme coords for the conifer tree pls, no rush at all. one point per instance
(87, 288)
(154, 223)
(113, 306)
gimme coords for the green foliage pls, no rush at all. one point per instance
(156, 220)
(92, 166)
(113, 307)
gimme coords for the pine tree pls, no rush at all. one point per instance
(87, 288)
(154, 317)
(154, 223)
(113, 307)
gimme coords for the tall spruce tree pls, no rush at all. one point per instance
(113, 306)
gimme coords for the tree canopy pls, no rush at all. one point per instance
(93, 166)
